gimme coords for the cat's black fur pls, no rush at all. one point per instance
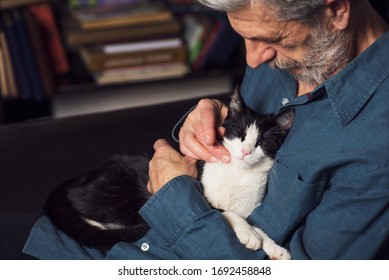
(112, 194)
(240, 116)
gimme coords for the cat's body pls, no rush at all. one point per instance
(107, 200)
(100, 208)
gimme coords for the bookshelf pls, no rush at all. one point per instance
(86, 49)
(56, 45)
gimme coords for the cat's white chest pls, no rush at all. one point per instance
(231, 188)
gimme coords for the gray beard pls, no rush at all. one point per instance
(327, 52)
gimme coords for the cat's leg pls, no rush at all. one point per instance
(273, 250)
(246, 234)
(254, 238)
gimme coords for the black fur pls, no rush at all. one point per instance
(272, 129)
(111, 194)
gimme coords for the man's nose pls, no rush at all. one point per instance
(258, 53)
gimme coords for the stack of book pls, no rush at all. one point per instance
(31, 50)
(121, 41)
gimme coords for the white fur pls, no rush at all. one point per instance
(103, 226)
(239, 187)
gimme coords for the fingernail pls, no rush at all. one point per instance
(207, 139)
(213, 159)
(226, 159)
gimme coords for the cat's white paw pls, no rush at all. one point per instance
(272, 249)
(278, 253)
(249, 237)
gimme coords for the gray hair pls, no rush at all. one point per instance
(302, 10)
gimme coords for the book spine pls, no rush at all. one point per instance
(201, 59)
(40, 54)
(33, 79)
(4, 89)
(44, 16)
(101, 62)
(16, 57)
(76, 37)
(126, 21)
(8, 68)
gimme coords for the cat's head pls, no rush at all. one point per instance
(250, 137)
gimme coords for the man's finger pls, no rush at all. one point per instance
(161, 143)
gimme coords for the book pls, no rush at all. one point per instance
(8, 68)
(121, 15)
(44, 17)
(96, 60)
(16, 57)
(28, 57)
(220, 53)
(215, 52)
(40, 54)
(75, 36)
(3, 80)
(8, 4)
(141, 73)
(195, 32)
(149, 45)
(93, 3)
(209, 41)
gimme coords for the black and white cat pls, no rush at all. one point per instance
(239, 187)
(100, 208)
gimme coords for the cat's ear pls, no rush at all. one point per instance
(236, 104)
(285, 119)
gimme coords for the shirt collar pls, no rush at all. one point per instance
(352, 87)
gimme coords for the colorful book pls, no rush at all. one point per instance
(28, 57)
(195, 33)
(16, 57)
(96, 60)
(44, 16)
(38, 49)
(122, 15)
(215, 52)
(210, 40)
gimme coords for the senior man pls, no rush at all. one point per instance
(328, 192)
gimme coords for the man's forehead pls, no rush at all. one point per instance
(257, 25)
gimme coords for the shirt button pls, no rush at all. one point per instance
(145, 247)
(285, 101)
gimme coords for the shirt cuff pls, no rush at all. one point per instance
(174, 207)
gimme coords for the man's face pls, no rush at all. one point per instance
(310, 54)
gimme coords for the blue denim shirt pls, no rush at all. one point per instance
(328, 192)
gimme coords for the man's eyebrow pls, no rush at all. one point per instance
(265, 39)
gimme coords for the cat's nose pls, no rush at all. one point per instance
(246, 152)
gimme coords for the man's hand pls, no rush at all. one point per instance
(201, 130)
(167, 164)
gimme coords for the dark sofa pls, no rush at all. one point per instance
(36, 156)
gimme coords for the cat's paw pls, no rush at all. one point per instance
(249, 237)
(272, 249)
(278, 253)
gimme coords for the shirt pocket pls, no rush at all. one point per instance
(287, 202)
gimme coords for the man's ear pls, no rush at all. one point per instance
(339, 11)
